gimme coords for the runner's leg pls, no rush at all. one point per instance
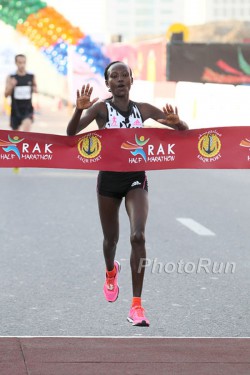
(26, 124)
(109, 216)
(136, 202)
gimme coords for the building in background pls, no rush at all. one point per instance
(128, 20)
(221, 10)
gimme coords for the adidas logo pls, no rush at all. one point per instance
(135, 183)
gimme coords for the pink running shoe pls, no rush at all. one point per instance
(111, 287)
(137, 317)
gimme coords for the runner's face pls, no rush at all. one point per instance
(119, 79)
(21, 63)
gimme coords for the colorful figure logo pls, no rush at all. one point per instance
(137, 148)
(11, 145)
(245, 143)
(89, 146)
(209, 145)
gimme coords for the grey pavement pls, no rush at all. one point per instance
(52, 267)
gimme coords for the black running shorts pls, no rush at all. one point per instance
(17, 118)
(118, 184)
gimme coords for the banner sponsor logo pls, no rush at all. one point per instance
(142, 150)
(89, 148)
(16, 148)
(209, 146)
(10, 148)
(246, 143)
(124, 150)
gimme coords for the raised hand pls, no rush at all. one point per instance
(172, 118)
(83, 99)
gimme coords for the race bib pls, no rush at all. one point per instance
(22, 92)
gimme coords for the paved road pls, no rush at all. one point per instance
(52, 269)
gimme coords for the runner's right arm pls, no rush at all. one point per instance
(10, 84)
(79, 122)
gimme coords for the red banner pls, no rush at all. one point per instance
(129, 149)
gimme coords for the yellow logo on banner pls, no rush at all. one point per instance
(89, 146)
(209, 145)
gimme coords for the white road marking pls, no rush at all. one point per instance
(195, 226)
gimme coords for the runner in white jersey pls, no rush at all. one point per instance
(120, 112)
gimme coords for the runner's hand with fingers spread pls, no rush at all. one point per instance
(172, 118)
(83, 100)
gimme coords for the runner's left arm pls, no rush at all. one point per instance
(168, 116)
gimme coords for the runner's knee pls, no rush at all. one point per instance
(137, 238)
